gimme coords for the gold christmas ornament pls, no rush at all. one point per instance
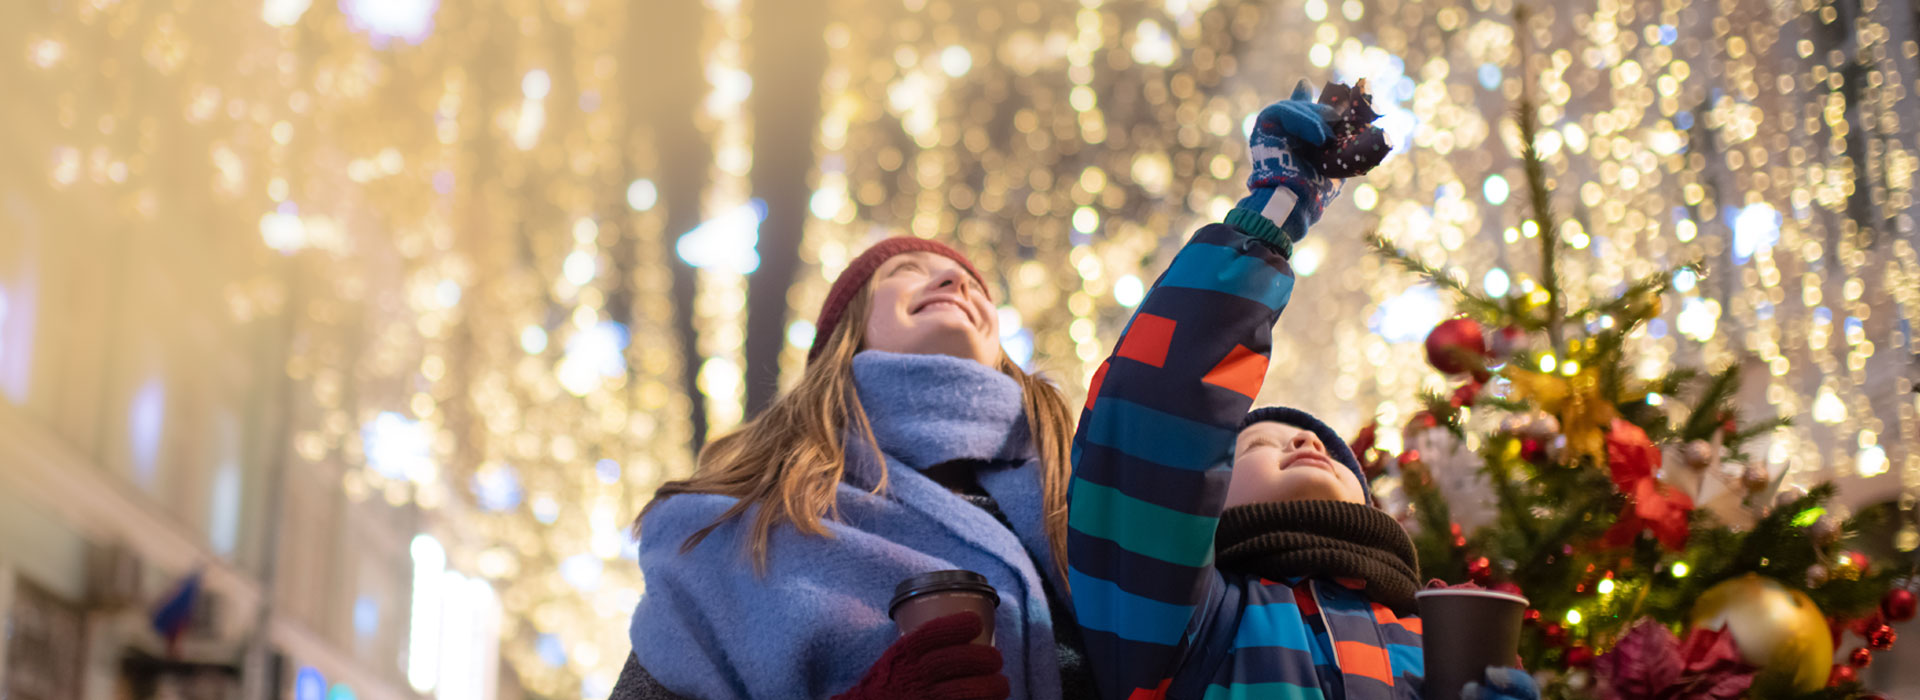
(1776, 628)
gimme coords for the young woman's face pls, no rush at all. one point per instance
(925, 303)
(1278, 462)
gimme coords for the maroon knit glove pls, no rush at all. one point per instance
(935, 662)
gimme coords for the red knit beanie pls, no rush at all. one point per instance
(854, 279)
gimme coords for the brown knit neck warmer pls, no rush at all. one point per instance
(1326, 539)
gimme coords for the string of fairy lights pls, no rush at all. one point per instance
(481, 251)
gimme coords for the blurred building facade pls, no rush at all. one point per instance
(142, 441)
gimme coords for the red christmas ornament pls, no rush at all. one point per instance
(1579, 656)
(1881, 637)
(1864, 625)
(1507, 587)
(1457, 346)
(1858, 560)
(1480, 570)
(1555, 634)
(1899, 605)
(1533, 450)
(1859, 658)
(1842, 674)
(1532, 615)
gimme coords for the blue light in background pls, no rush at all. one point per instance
(397, 447)
(1756, 228)
(410, 21)
(366, 616)
(726, 242)
(582, 571)
(551, 651)
(308, 684)
(145, 422)
(1409, 315)
(497, 487)
(608, 471)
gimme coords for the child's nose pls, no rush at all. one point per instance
(1305, 440)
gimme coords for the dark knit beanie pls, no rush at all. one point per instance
(1336, 446)
(854, 279)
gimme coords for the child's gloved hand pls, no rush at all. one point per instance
(1285, 190)
(1502, 684)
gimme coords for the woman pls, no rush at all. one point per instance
(911, 444)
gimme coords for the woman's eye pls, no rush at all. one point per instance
(903, 267)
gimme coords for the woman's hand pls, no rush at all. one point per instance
(1285, 189)
(935, 662)
(1502, 684)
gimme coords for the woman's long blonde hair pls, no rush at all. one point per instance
(790, 458)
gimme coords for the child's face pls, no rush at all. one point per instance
(1278, 462)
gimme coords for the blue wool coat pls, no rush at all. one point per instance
(1152, 460)
(708, 627)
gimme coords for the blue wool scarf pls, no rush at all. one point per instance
(708, 627)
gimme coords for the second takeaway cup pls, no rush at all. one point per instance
(1466, 630)
(930, 596)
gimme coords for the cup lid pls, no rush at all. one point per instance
(1473, 592)
(952, 580)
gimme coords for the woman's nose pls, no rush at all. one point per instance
(951, 278)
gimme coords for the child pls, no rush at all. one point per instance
(1219, 553)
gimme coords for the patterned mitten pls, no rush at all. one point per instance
(1287, 194)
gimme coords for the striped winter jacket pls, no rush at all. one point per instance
(1151, 461)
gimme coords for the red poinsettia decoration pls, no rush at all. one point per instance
(1649, 663)
(1633, 460)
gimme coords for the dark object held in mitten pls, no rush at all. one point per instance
(936, 661)
(1357, 145)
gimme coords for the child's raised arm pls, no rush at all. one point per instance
(1154, 445)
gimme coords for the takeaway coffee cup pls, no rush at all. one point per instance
(937, 594)
(1466, 630)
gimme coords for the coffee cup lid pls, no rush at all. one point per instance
(1470, 592)
(953, 580)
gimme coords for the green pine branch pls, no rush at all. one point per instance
(1673, 381)
(1758, 429)
(1474, 304)
(1527, 118)
(1705, 417)
(1657, 283)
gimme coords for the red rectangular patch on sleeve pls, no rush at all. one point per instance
(1147, 340)
(1159, 693)
(1093, 387)
(1242, 372)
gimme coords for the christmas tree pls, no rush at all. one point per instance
(1660, 559)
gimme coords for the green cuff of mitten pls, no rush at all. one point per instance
(1253, 224)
